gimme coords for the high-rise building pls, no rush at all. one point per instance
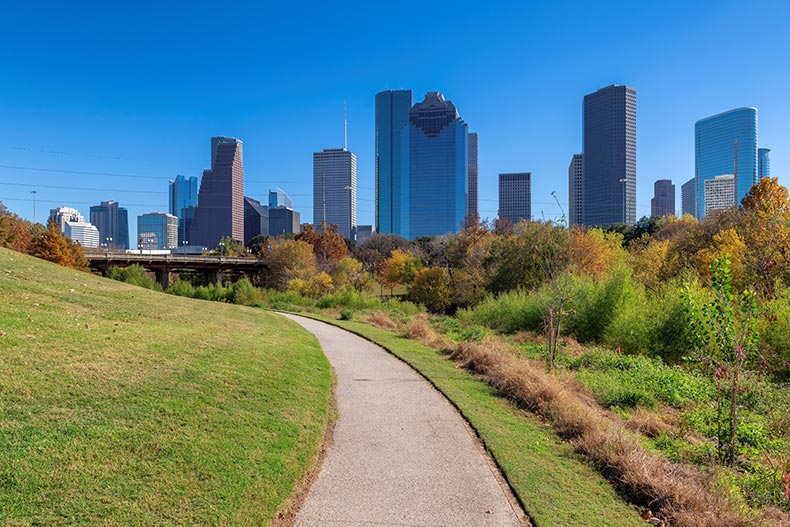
(278, 198)
(112, 220)
(575, 190)
(719, 193)
(763, 163)
(183, 195)
(63, 214)
(256, 219)
(472, 213)
(725, 144)
(688, 197)
(392, 184)
(284, 220)
(663, 202)
(220, 209)
(609, 187)
(335, 190)
(515, 196)
(85, 234)
(363, 232)
(157, 230)
(437, 168)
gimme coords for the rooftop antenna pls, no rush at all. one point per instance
(345, 126)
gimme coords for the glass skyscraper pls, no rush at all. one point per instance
(515, 196)
(725, 144)
(392, 185)
(183, 194)
(609, 186)
(687, 197)
(471, 208)
(763, 163)
(112, 220)
(157, 230)
(436, 163)
(575, 187)
(335, 190)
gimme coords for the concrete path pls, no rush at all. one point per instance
(401, 455)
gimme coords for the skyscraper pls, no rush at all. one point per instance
(663, 202)
(719, 193)
(609, 186)
(763, 163)
(112, 220)
(688, 197)
(63, 214)
(515, 196)
(437, 168)
(575, 190)
(392, 185)
(471, 206)
(725, 144)
(183, 194)
(220, 209)
(157, 230)
(335, 190)
(256, 219)
(278, 198)
(83, 233)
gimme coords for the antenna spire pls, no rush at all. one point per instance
(345, 126)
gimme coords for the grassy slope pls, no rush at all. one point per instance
(557, 488)
(123, 406)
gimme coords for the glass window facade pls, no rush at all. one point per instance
(725, 144)
(515, 196)
(157, 231)
(335, 189)
(183, 195)
(763, 162)
(392, 122)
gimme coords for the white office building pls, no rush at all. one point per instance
(719, 193)
(84, 233)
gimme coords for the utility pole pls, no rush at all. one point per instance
(34, 192)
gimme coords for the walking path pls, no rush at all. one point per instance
(401, 455)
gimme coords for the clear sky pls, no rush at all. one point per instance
(138, 88)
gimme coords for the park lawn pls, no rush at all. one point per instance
(556, 486)
(124, 406)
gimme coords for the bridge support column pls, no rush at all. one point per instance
(218, 277)
(163, 277)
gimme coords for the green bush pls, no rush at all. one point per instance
(181, 288)
(403, 307)
(349, 298)
(134, 275)
(509, 312)
(244, 293)
(595, 304)
(346, 314)
(774, 327)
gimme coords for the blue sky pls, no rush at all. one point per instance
(138, 88)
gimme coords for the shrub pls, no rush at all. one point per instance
(349, 298)
(594, 304)
(346, 314)
(181, 288)
(509, 312)
(243, 292)
(134, 275)
(431, 287)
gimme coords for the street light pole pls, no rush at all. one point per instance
(34, 192)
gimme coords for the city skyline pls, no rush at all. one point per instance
(58, 108)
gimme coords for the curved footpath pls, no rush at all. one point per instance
(401, 455)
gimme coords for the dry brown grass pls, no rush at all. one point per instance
(419, 328)
(381, 320)
(680, 494)
(649, 423)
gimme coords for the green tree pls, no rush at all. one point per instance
(431, 287)
(256, 244)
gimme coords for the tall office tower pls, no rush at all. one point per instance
(112, 221)
(335, 190)
(471, 207)
(515, 196)
(157, 230)
(437, 168)
(663, 202)
(183, 195)
(63, 214)
(687, 197)
(609, 187)
(83, 233)
(763, 163)
(256, 219)
(284, 220)
(725, 144)
(575, 190)
(278, 198)
(220, 209)
(719, 193)
(392, 185)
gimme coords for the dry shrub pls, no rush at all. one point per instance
(420, 329)
(381, 320)
(648, 423)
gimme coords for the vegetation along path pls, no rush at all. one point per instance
(402, 455)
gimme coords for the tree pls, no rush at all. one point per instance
(256, 244)
(349, 273)
(400, 269)
(55, 247)
(431, 287)
(328, 245)
(373, 251)
(227, 246)
(16, 233)
(594, 251)
(314, 286)
(286, 260)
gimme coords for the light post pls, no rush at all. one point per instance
(34, 192)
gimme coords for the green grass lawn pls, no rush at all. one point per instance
(123, 406)
(556, 486)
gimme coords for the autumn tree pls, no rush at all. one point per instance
(431, 287)
(328, 245)
(374, 250)
(56, 247)
(286, 260)
(15, 233)
(594, 251)
(400, 269)
(349, 273)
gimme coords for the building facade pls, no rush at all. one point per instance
(363, 232)
(472, 213)
(183, 195)
(284, 220)
(156, 231)
(85, 234)
(392, 185)
(256, 219)
(61, 215)
(575, 190)
(335, 190)
(763, 163)
(437, 168)
(720, 193)
(725, 144)
(278, 198)
(663, 202)
(220, 209)
(112, 221)
(688, 198)
(515, 196)
(609, 187)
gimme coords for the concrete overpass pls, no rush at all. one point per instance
(162, 265)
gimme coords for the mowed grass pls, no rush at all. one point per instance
(123, 406)
(557, 487)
